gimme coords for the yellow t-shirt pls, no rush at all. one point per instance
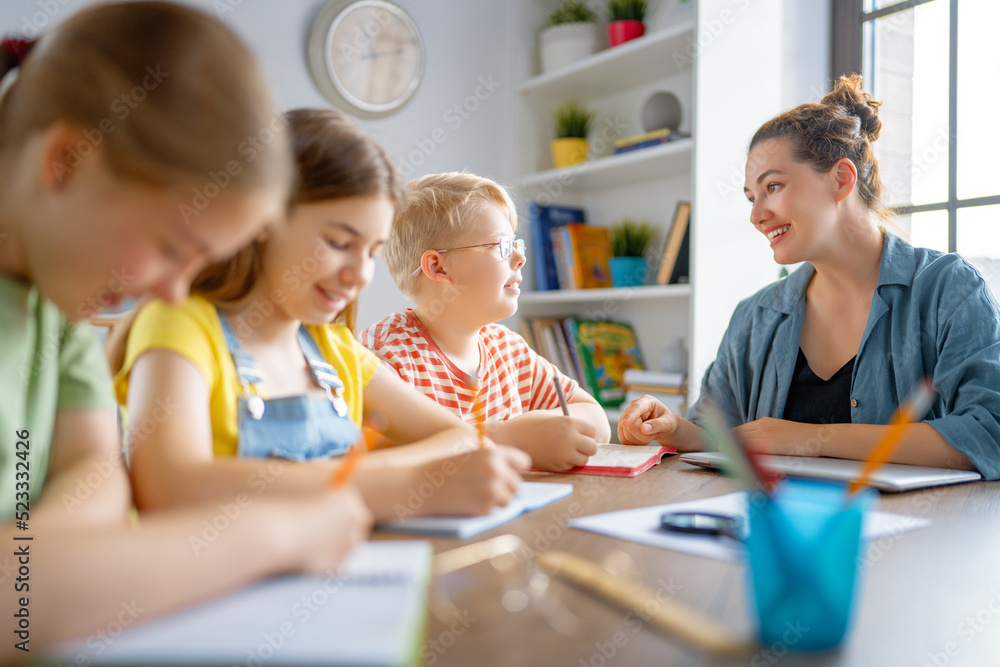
(193, 330)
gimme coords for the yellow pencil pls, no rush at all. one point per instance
(913, 409)
(479, 414)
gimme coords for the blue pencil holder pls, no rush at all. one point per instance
(803, 549)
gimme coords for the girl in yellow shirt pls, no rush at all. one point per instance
(248, 387)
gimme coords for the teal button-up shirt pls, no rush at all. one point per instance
(932, 315)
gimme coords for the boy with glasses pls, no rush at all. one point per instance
(452, 250)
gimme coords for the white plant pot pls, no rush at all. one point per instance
(560, 45)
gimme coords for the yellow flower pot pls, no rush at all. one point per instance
(569, 151)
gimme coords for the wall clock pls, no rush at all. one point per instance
(365, 56)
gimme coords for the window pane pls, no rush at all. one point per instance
(927, 230)
(978, 99)
(979, 241)
(906, 58)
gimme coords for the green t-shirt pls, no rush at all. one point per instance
(46, 364)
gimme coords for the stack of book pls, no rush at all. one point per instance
(669, 388)
(595, 353)
(654, 138)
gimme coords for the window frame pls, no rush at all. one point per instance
(846, 57)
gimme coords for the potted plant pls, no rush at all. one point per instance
(572, 127)
(625, 20)
(572, 34)
(629, 241)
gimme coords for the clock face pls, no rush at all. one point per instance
(366, 56)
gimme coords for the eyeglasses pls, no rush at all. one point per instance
(507, 247)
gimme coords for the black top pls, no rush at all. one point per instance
(813, 400)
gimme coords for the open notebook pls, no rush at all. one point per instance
(372, 613)
(623, 460)
(530, 496)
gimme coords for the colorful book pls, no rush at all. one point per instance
(623, 460)
(588, 249)
(606, 349)
(543, 219)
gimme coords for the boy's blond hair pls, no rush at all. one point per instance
(439, 209)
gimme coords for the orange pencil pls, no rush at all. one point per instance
(479, 413)
(346, 470)
(913, 409)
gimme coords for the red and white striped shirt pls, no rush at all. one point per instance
(512, 376)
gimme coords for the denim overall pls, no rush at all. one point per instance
(298, 428)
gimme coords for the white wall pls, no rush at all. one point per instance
(755, 58)
(465, 42)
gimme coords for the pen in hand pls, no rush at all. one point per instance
(561, 395)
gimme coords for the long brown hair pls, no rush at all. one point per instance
(843, 125)
(169, 95)
(335, 159)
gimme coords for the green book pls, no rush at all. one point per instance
(606, 350)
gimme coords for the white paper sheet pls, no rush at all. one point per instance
(642, 525)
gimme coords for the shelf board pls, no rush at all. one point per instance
(635, 166)
(616, 69)
(603, 294)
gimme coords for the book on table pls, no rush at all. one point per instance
(623, 460)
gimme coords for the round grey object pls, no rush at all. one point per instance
(661, 110)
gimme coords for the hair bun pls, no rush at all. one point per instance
(847, 93)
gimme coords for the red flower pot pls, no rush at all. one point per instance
(623, 31)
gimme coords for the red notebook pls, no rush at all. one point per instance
(623, 460)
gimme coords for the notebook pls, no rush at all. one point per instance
(372, 613)
(891, 477)
(530, 496)
(623, 460)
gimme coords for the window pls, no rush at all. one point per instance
(933, 64)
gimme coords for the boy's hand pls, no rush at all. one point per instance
(473, 482)
(555, 442)
(645, 420)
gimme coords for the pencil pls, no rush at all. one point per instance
(479, 414)
(561, 395)
(350, 463)
(914, 408)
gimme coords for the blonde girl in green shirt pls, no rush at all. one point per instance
(138, 141)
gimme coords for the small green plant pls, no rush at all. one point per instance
(571, 11)
(630, 238)
(573, 120)
(627, 10)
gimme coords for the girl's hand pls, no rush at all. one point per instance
(470, 483)
(645, 420)
(330, 527)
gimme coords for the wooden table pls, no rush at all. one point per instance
(928, 597)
